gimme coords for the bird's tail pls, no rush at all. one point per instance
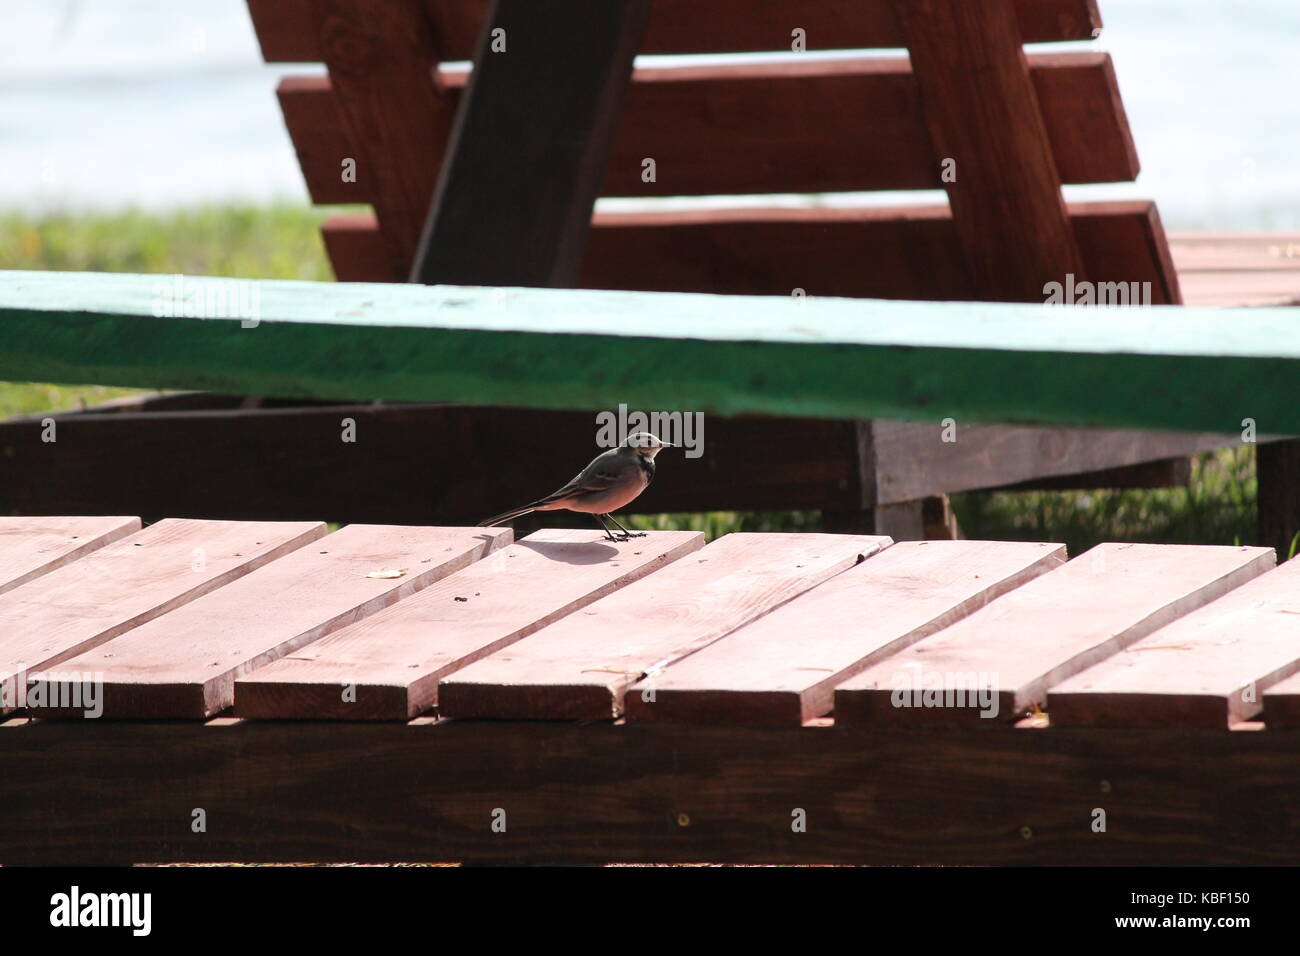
(505, 516)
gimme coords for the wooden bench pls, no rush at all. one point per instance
(517, 194)
(768, 698)
(389, 104)
(753, 690)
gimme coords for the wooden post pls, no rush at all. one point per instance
(530, 145)
(1277, 466)
(986, 124)
(381, 58)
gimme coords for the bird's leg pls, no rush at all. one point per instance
(630, 534)
(600, 523)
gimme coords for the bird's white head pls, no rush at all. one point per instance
(645, 444)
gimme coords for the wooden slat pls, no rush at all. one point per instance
(321, 139)
(1188, 369)
(357, 252)
(1235, 252)
(983, 114)
(1256, 289)
(909, 252)
(130, 582)
(31, 547)
(1253, 268)
(783, 668)
(883, 253)
(581, 666)
(184, 664)
(1208, 669)
(391, 663)
(286, 28)
(1114, 251)
(514, 209)
(1049, 629)
(818, 126)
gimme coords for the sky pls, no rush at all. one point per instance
(107, 104)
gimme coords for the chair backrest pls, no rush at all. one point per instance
(968, 111)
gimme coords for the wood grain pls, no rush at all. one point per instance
(907, 252)
(381, 59)
(285, 27)
(30, 547)
(114, 791)
(984, 115)
(1042, 633)
(1207, 669)
(390, 664)
(819, 126)
(184, 664)
(581, 666)
(783, 668)
(128, 583)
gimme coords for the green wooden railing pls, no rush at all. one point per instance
(1179, 368)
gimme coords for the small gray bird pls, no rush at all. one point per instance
(612, 480)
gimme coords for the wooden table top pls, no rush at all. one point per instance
(195, 618)
(1243, 268)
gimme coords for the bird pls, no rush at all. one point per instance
(613, 479)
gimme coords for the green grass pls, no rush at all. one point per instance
(273, 242)
(250, 242)
(1217, 507)
(283, 242)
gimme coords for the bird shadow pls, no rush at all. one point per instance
(573, 552)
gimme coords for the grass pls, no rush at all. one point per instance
(283, 242)
(1217, 507)
(251, 242)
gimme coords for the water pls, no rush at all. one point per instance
(156, 103)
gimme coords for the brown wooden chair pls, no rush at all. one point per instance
(968, 112)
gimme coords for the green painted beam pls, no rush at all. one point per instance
(1178, 368)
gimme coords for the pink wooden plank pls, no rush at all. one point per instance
(1004, 657)
(1207, 669)
(388, 666)
(127, 583)
(185, 663)
(1215, 289)
(782, 669)
(30, 547)
(580, 666)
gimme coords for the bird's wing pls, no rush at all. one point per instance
(601, 474)
(600, 480)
